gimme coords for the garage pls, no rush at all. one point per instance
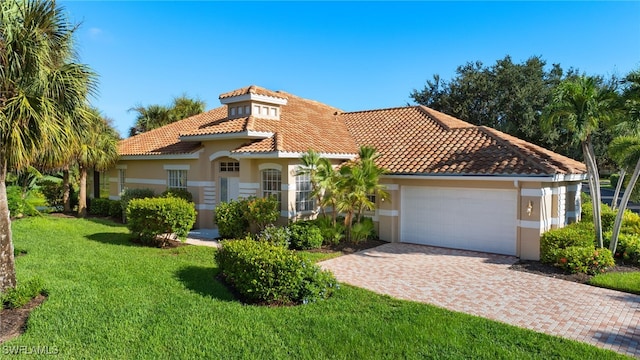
(459, 218)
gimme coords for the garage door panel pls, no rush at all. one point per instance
(473, 219)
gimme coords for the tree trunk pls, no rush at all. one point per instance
(96, 184)
(594, 188)
(617, 225)
(7, 264)
(82, 197)
(614, 202)
(66, 190)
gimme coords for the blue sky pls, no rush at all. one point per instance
(351, 55)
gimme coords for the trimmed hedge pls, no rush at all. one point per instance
(572, 248)
(276, 235)
(230, 219)
(130, 194)
(270, 274)
(305, 235)
(178, 193)
(105, 207)
(150, 218)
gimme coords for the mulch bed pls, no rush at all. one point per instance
(349, 247)
(13, 322)
(538, 268)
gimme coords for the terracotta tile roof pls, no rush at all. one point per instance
(252, 90)
(411, 140)
(166, 140)
(419, 140)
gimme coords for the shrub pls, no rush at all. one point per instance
(266, 273)
(21, 295)
(115, 209)
(305, 235)
(130, 194)
(276, 235)
(53, 191)
(608, 215)
(630, 223)
(577, 234)
(261, 211)
(18, 205)
(102, 207)
(363, 230)
(582, 259)
(178, 193)
(330, 234)
(629, 248)
(151, 217)
(230, 219)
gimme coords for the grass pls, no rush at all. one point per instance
(622, 281)
(111, 299)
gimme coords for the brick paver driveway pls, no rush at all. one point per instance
(481, 284)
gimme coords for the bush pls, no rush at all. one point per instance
(229, 217)
(629, 248)
(577, 234)
(630, 223)
(102, 207)
(305, 235)
(261, 212)
(18, 205)
(130, 194)
(53, 191)
(20, 296)
(608, 215)
(580, 259)
(276, 235)
(152, 217)
(266, 273)
(363, 230)
(178, 193)
(115, 209)
(330, 234)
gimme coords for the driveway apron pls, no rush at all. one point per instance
(481, 284)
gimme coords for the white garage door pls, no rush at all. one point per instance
(471, 219)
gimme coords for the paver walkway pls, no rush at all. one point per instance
(203, 237)
(481, 284)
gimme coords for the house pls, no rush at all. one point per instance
(452, 184)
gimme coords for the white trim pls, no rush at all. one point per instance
(219, 154)
(195, 155)
(569, 177)
(176, 167)
(290, 155)
(383, 212)
(201, 183)
(205, 207)
(476, 178)
(537, 192)
(266, 166)
(391, 187)
(233, 135)
(121, 167)
(145, 181)
(254, 97)
(249, 186)
(113, 179)
(528, 224)
(114, 197)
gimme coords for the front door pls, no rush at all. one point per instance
(229, 188)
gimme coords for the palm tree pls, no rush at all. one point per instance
(150, 117)
(310, 162)
(98, 149)
(581, 105)
(626, 149)
(40, 87)
(328, 179)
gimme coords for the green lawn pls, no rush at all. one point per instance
(111, 299)
(622, 281)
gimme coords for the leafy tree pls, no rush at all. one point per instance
(506, 96)
(41, 86)
(581, 106)
(310, 166)
(155, 116)
(626, 149)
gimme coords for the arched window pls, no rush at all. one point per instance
(271, 183)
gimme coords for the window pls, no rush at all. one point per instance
(246, 109)
(304, 198)
(229, 166)
(104, 184)
(177, 179)
(240, 110)
(271, 183)
(121, 177)
(233, 111)
(224, 189)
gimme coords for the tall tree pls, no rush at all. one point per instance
(97, 149)
(155, 116)
(310, 162)
(626, 149)
(581, 106)
(40, 87)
